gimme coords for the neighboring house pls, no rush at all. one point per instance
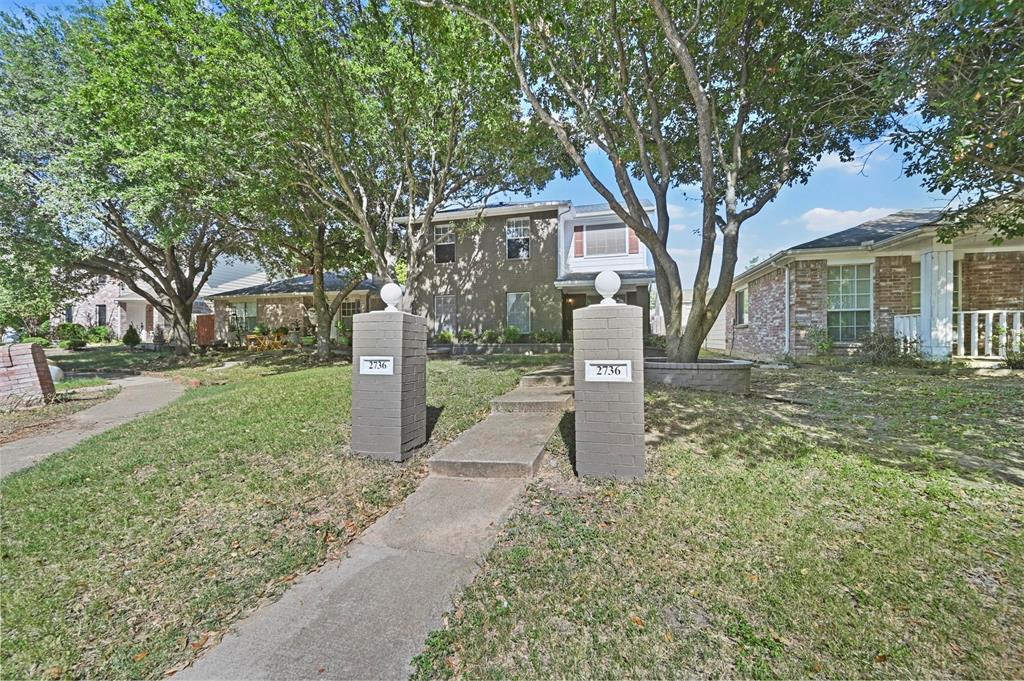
(527, 265)
(289, 303)
(892, 275)
(715, 340)
(113, 304)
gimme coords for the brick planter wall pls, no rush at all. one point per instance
(992, 281)
(24, 375)
(892, 289)
(720, 376)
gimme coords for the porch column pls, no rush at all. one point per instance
(937, 301)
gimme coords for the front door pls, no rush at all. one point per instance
(570, 302)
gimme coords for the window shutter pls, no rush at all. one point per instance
(634, 243)
(577, 240)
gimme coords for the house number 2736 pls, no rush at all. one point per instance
(608, 370)
(381, 366)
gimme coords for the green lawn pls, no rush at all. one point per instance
(875, 531)
(77, 383)
(131, 552)
(113, 358)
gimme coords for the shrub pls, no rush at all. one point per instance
(490, 336)
(281, 331)
(819, 338)
(512, 334)
(99, 334)
(38, 340)
(653, 340)
(545, 336)
(158, 336)
(466, 336)
(261, 329)
(882, 349)
(131, 336)
(444, 337)
(309, 340)
(72, 344)
(1014, 360)
(69, 331)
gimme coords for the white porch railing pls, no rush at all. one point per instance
(976, 333)
(906, 327)
(987, 333)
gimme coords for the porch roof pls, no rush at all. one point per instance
(333, 281)
(628, 277)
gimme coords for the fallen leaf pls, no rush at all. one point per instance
(881, 658)
(141, 656)
(54, 672)
(200, 642)
(635, 619)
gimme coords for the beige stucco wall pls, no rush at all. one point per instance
(481, 275)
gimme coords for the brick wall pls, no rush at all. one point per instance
(892, 289)
(24, 375)
(810, 301)
(992, 281)
(764, 334)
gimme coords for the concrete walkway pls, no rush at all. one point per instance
(139, 395)
(367, 615)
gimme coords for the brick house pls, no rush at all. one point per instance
(288, 303)
(961, 299)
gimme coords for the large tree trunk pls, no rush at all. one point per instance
(181, 327)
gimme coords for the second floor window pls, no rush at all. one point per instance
(517, 238)
(604, 240)
(444, 243)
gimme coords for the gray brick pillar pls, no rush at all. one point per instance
(608, 361)
(389, 384)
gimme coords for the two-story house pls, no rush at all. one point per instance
(527, 265)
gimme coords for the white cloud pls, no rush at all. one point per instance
(683, 218)
(832, 161)
(831, 220)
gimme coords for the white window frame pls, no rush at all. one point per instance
(745, 309)
(519, 225)
(870, 309)
(244, 316)
(351, 307)
(606, 225)
(444, 235)
(529, 310)
(454, 314)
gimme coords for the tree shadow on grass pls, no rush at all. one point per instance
(910, 420)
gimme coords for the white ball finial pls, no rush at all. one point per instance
(391, 294)
(607, 284)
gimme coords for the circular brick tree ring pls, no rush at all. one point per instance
(714, 375)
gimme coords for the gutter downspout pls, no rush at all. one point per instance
(786, 307)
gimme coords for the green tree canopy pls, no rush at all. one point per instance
(737, 98)
(963, 75)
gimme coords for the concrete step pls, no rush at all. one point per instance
(523, 400)
(549, 377)
(503, 445)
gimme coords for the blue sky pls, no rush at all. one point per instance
(837, 196)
